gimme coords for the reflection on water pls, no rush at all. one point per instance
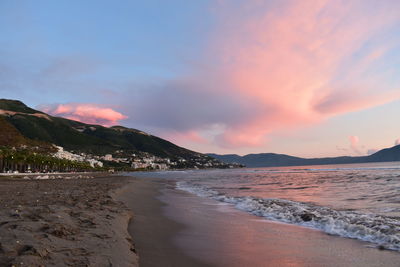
(372, 188)
(356, 201)
(223, 236)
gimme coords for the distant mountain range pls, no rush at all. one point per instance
(22, 125)
(276, 160)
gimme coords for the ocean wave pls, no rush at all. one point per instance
(382, 231)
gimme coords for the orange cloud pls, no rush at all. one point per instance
(87, 113)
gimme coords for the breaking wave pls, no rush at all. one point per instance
(383, 231)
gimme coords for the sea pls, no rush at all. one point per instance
(359, 201)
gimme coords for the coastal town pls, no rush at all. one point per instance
(35, 142)
(141, 160)
(23, 160)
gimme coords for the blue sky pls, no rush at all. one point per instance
(102, 41)
(302, 78)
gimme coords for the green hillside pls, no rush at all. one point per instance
(30, 124)
(17, 106)
(9, 135)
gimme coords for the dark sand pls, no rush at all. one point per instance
(64, 222)
(174, 228)
(152, 231)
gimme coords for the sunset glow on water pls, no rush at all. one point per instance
(359, 201)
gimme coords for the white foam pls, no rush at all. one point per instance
(380, 230)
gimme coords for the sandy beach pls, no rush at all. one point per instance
(69, 221)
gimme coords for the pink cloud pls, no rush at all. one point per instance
(297, 62)
(397, 142)
(87, 113)
(354, 141)
(354, 144)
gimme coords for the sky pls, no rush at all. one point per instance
(307, 78)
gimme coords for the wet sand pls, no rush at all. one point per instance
(153, 232)
(67, 221)
(174, 228)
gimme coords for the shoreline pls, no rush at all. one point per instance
(67, 222)
(209, 233)
(152, 231)
(81, 222)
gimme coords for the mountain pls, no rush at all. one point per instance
(277, 160)
(22, 125)
(387, 154)
(9, 135)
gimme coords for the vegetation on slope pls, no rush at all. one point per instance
(81, 137)
(26, 128)
(16, 106)
(24, 160)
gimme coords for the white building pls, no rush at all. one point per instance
(95, 163)
(61, 154)
(108, 157)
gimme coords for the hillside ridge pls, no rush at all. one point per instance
(280, 160)
(32, 126)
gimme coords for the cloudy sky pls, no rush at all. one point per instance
(306, 78)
